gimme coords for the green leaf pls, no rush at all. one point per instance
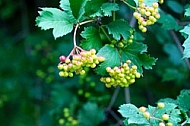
(147, 61)
(119, 28)
(56, 19)
(112, 59)
(91, 115)
(186, 44)
(132, 114)
(147, 2)
(175, 6)
(128, 110)
(107, 8)
(168, 22)
(77, 7)
(65, 5)
(135, 53)
(183, 100)
(93, 6)
(187, 10)
(92, 38)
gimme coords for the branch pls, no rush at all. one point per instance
(178, 43)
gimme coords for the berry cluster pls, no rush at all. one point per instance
(78, 62)
(122, 43)
(164, 119)
(68, 120)
(122, 76)
(146, 15)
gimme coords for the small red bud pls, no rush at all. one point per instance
(62, 58)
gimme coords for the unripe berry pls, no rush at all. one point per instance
(82, 72)
(147, 13)
(142, 11)
(108, 80)
(108, 85)
(128, 61)
(140, 1)
(157, 16)
(61, 121)
(169, 124)
(121, 44)
(146, 115)
(67, 60)
(108, 69)
(155, 5)
(165, 117)
(93, 51)
(62, 58)
(130, 41)
(144, 29)
(161, 1)
(80, 92)
(61, 73)
(136, 15)
(87, 94)
(161, 105)
(60, 67)
(101, 58)
(142, 109)
(70, 74)
(161, 124)
(138, 75)
(142, 5)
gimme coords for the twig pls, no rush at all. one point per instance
(177, 41)
(113, 98)
(75, 31)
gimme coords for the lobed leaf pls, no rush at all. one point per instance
(77, 7)
(56, 19)
(135, 53)
(119, 28)
(112, 59)
(92, 38)
(92, 7)
(183, 99)
(132, 114)
(107, 8)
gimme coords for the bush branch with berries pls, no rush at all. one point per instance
(112, 48)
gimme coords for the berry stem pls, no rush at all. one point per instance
(128, 4)
(75, 31)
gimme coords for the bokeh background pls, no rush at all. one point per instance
(32, 93)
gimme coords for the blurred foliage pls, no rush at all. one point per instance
(32, 93)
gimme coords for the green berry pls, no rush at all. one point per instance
(169, 124)
(146, 115)
(142, 109)
(82, 72)
(161, 105)
(161, 124)
(155, 5)
(165, 117)
(61, 121)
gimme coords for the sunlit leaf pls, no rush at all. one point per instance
(56, 19)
